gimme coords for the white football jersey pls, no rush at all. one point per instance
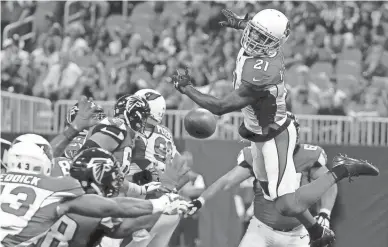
(153, 150)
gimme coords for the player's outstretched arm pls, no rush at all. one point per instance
(229, 180)
(236, 100)
(120, 207)
(131, 225)
(84, 119)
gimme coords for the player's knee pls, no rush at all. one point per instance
(287, 205)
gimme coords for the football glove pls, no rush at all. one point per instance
(326, 239)
(177, 207)
(233, 20)
(323, 219)
(195, 205)
(143, 177)
(150, 187)
(181, 80)
(86, 114)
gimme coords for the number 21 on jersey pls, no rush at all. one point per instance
(261, 64)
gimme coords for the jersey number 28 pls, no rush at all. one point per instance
(60, 233)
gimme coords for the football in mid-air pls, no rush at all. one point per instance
(200, 123)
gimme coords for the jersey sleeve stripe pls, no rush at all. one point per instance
(32, 241)
(58, 197)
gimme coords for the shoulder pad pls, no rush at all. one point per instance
(163, 130)
(66, 186)
(116, 132)
(261, 72)
(114, 121)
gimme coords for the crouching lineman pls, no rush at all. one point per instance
(30, 201)
(268, 227)
(98, 173)
(85, 114)
(150, 162)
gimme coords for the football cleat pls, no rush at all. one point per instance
(327, 238)
(355, 167)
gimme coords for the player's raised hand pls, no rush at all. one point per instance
(176, 167)
(233, 20)
(86, 114)
(181, 81)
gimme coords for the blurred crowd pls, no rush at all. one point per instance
(114, 48)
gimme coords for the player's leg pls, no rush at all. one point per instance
(190, 231)
(273, 162)
(297, 238)
(282, 177)
(163, 230)
(175, 240)
(256, 235)
(139, 238)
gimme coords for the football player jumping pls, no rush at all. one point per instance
(260, 94)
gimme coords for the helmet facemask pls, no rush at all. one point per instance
(136, 114)
(256, 41)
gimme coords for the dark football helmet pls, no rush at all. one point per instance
(72, 113)
(98, 172)
(134, 110)
(120, 105)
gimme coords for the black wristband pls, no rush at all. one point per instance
(70, 132)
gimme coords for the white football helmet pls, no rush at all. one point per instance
(37, 140)
(26, 157)
(265, 33)
(157, 105)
